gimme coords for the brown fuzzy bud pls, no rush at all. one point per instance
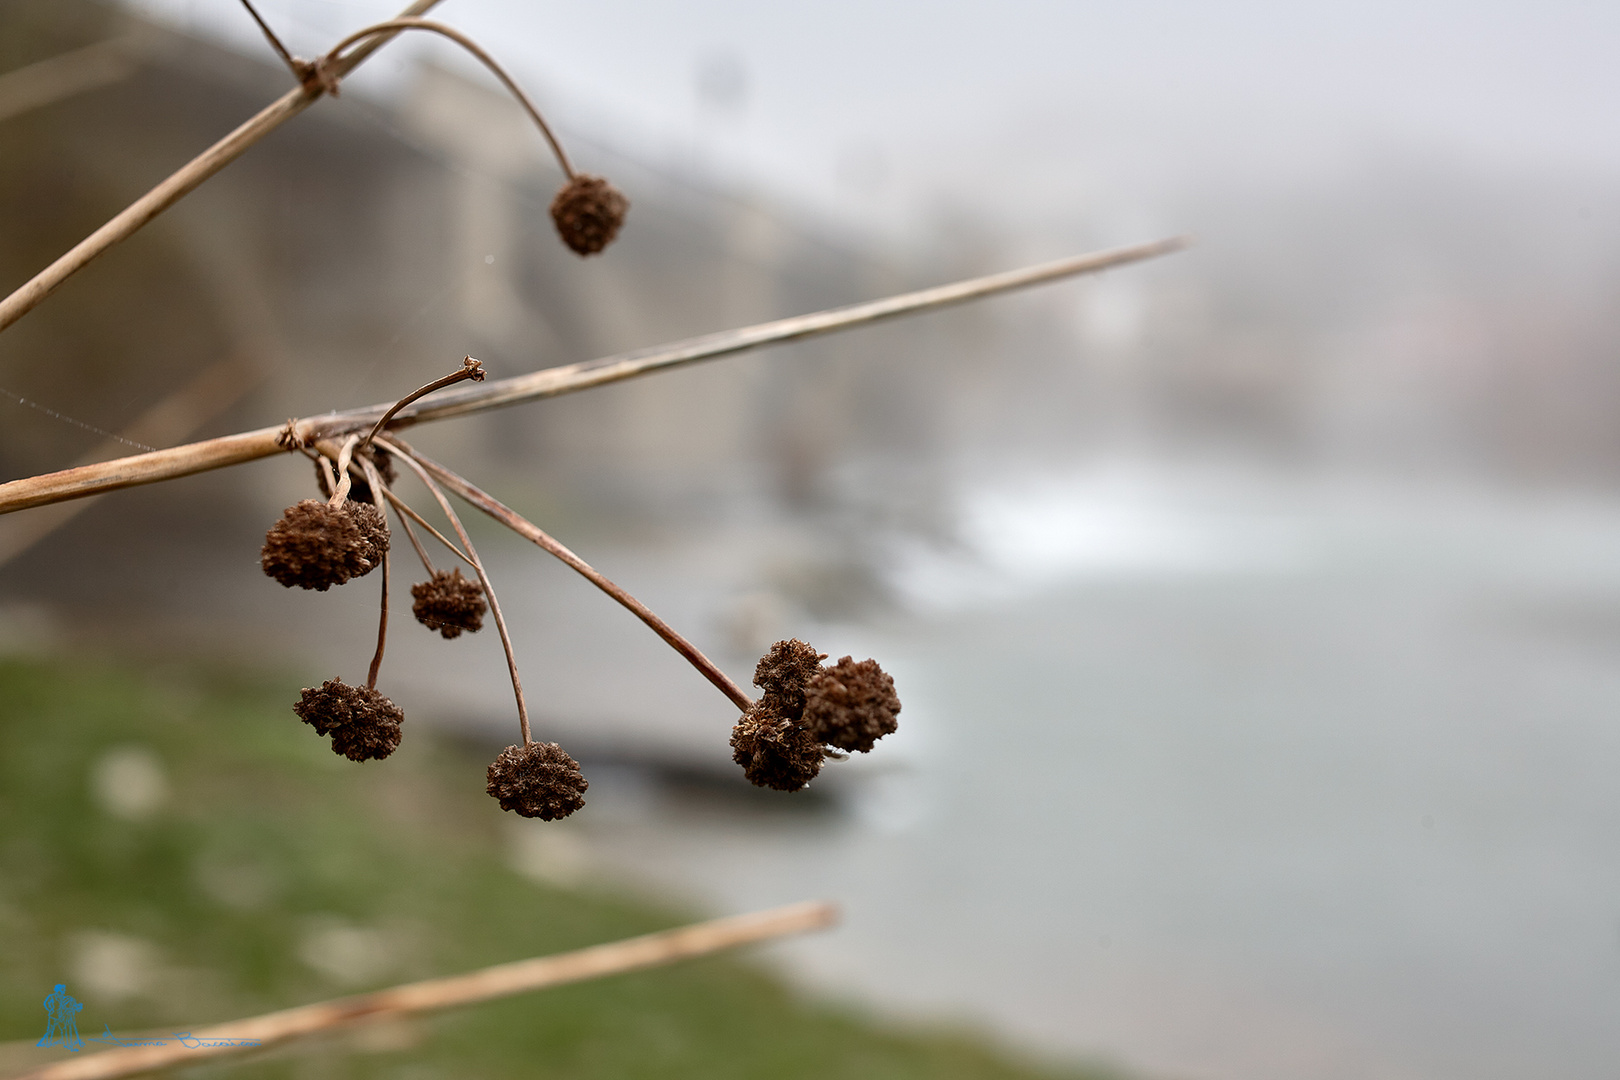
(784, 672)
(538, 780)
(362, 723)
(449, 603)
(316, 546)
(851, 706)
(359, 486)
(588, 211)
(774, 751)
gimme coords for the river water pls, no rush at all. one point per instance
(1214, 777)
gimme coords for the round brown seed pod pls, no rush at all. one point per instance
(363, 723)
(588, 211)
(316, 546)
(851, 706)
(449, 603)
(538, 780)
(774, 751)
(784, 672)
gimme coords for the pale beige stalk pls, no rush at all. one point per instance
(184, 181)
(487, 984)
(251, 445)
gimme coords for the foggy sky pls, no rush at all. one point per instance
(877, 109)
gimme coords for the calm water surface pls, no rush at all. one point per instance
(1220, 782)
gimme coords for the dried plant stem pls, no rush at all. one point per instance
(470, 369)
(530, 531)
(201, 398)
(184, 181)
(66, 74)
(374, 478)
(483, 578)
(248, 446)
(275, 42)
(326, 471)
(407, 512)
(432, 995)
(396, 25)
(416, 541)
(340, 491)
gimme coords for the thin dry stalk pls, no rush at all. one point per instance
(470, 369)
(416, 541)
(248, 446)
(374, 478)
(395, 25)
(206, 395)
(67, 74)
(407, 512)
(532, 532)
(185, 180)
(483, 578)
(432, 995)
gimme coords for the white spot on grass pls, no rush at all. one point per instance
(129, 782)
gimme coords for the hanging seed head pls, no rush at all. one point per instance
(784, 672)
(362, 723)
(316, 546)
(851, 706)
(538, 780)
(588, 211)
(774, 751)
(449, 603)
(359, 486)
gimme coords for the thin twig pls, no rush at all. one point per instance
(374, 478)
(182, 182)
(470, 369)
(201, 398)
(66, 74)
(344, 480)
(395, 25)
(403, 507)
(252, 445)
(433, 995)
(483, 578)
(416, 541)
(530, 531)
(275, 42)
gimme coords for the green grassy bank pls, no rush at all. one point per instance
(252, 869)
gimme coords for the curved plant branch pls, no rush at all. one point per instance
(483, 578)
(532, 532)
(393, 26)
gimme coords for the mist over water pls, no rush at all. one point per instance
(1322, 788)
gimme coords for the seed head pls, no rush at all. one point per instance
(588, 211)
(784, 672)
(373, 532)
(362, 723)
(538, 780)
(449, 603)
(316, 546)
(851, 706)
(774, 751)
